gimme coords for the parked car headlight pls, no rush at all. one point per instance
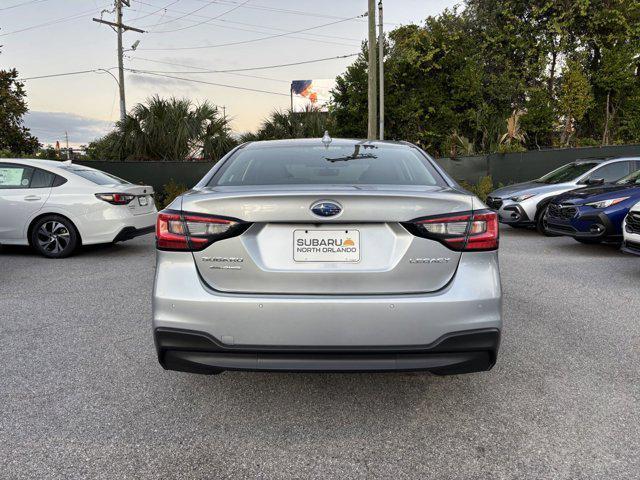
(607, 203)
(522, 198)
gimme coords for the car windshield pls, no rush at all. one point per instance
(358, 164)
(567, 172)
(631, 179)
(96, 176)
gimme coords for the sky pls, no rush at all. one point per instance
(44, 37)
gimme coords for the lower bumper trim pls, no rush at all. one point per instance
(128, 233)
(455, 353)
(442, 363)
(631, 247)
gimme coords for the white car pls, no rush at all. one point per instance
(57, 206)
(631, 231)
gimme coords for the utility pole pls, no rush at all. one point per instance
(120, 28)
(373, 89)
(66, 136)
(381, 64)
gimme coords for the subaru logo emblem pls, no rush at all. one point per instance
(326, 209)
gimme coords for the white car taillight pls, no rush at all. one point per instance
(116, 198)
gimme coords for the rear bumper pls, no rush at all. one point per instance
(307, 324)
(455, 353)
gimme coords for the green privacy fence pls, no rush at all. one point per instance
(519, 167)
(156, 174)
(503, 168)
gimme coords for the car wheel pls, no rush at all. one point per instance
(54, 236)
(588, 241)
(541, 223)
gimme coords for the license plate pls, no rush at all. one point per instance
(143, 201)
(326, 246)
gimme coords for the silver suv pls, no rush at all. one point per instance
(525, 204)
(333, 255)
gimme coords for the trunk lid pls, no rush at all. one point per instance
(143, 203)
(382, 256)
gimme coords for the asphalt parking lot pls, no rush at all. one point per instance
(82, 395)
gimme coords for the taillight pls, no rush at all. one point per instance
(194, 232)
(116, 198)
(476, 231)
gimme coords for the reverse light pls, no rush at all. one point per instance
(116, 198)
(522, 198)
(607, 203)
(462, 232)
(193, 232)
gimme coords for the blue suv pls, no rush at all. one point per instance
(594, 214)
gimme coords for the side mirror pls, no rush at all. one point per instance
(595, 181)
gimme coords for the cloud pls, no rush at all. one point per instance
(160, 82)
(51, 126)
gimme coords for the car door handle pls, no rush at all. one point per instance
(32, 198)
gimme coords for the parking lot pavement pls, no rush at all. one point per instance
(82, 395)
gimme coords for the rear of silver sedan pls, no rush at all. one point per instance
(348, 256)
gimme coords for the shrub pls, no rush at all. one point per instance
(169, 192)
(481, 189)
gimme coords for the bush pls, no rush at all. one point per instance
(169, 192)
(481, 189)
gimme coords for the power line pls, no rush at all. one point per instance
(29, 2)
(210, 2)
(247, 69)
(242, 23)
(263, 27)
(254, 39)
(205, 70)
(315, 14)
(162, 9)
(51, 22)
(142, 72)
(65, 74)
(204, 21)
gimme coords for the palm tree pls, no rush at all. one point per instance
(282, 124)
(173, 129)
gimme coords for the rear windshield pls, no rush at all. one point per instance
(96, 176)
(568, 172)
(360, 164)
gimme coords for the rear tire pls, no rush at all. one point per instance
(54, 236)
(541, 223)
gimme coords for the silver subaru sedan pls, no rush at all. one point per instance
(327, 255)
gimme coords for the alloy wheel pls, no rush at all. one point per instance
(53, 237)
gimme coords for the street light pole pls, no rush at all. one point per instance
(373, 90)
(381, 64)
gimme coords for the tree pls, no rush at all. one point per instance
(14, 136)
(574, 99)
(167, 129)
(288, 124)
(463, 73)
